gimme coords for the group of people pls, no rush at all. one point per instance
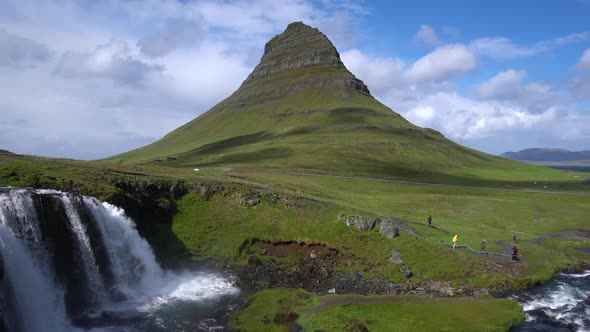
(514, 251)
(455, 240)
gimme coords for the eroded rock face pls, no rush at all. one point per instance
(300, 46)
(361, 222)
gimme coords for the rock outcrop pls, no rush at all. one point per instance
(361, 222)
(301, 46)
(388, 229)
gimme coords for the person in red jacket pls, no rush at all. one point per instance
(514, 254)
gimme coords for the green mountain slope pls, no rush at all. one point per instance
(301, 109)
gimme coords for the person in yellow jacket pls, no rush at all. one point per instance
(455, 240)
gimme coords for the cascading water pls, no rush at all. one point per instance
(95, 283)
(563, 304)
(73, 258)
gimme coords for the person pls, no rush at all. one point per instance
(514, 238)
(483, 247)
(455, 240)
(430, 221)
(514, 254)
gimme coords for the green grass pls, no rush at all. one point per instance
(377, 313)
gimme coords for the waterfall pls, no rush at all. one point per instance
(71, 260)
(36, 301)
(133, 263)
(86, 254)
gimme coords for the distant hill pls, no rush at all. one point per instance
(5, 152)
(553, 156)
(302, 109)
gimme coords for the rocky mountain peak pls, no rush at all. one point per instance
(300, 46)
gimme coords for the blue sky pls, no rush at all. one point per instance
(89, 79)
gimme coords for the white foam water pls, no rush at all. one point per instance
(561, 304)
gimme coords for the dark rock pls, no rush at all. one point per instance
(405, 270)
(395, 257)
(355, 325)
(285, 317)
(388, 229)
(253, 260)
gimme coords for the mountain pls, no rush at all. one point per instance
(302, 109)
(5, 152)
(540, 155)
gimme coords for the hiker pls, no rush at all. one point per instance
(483, 247)
(514, 254)
(514, 238)
(430, 221)
(455, 240)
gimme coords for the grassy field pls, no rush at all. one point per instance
(377, 313)
(217, 227)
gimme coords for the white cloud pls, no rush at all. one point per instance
(584, 63)
(504, 48)
(427, 36)
(20, 52)
(509, 87)
(380, 73)
(175, 35)
(112, 60)
(443, 63)
(499, 47)
(505, 85)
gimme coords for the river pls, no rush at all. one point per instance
(562, 304)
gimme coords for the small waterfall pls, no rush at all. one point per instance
(73, 257)
(132, 261)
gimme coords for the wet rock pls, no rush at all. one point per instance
(395, 257)
(388, 229)
(285, 317)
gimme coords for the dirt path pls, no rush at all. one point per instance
(329, 301)
(532, 191)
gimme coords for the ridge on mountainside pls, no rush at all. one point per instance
(301, 108)
(547, 154)
(6, 152)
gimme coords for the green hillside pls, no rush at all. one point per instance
(302, 110)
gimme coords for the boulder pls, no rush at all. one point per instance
(253, 201)
(395, 257)
(388, 229)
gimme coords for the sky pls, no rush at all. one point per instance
(89, 79)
